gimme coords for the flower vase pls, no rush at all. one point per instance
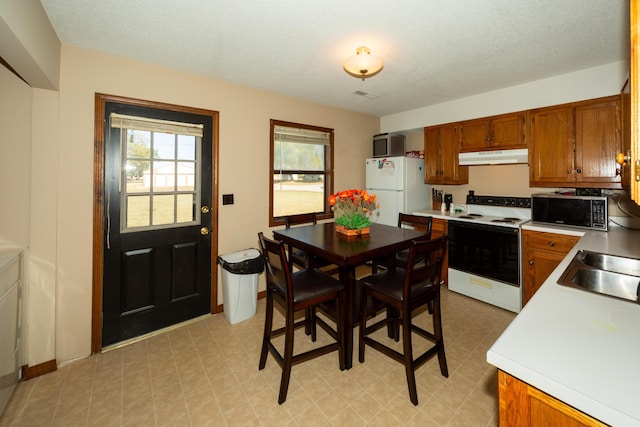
(351, 232)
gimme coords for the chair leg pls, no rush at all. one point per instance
(437, 331)
(312, 323)
(340, 307)
(266, 337)
(408, 356)
(393, 324)
(288, 358)
(363, 324)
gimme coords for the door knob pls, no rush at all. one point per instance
(204, 231)
(204, 209)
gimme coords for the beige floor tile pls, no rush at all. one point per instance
(206, 374)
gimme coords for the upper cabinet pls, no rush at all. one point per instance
(441, 149)
(575, 145)
(634, 144)
(494, 133)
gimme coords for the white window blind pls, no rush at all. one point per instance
(122, 121)
(301, 136)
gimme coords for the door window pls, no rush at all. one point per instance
(159, 183)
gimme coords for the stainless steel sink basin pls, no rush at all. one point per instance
(604, 274)
(613, 263)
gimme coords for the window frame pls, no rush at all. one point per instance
(328, 169)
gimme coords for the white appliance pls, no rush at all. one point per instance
(398, 183)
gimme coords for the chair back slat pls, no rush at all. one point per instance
(300, 219)
(278, 270)
(417, 222)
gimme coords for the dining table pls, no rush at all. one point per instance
(347, 252)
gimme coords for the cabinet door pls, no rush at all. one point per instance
(523, 405)
(539, 265)
(508, 131)
(597, 143)
(543, 252)
(475, 135)
(452, 172)
(432, 155)
(625, 134)
(441, 148)
(552, 146)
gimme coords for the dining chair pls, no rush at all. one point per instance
(405, 290)
(298, 257)
(295, 292)
(416, 222)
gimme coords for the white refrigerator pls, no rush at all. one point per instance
(398, 183)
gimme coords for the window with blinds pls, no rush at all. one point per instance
(301, 171)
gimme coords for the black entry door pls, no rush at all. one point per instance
(157, 250)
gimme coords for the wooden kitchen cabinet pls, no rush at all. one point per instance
(439, 227)
(494, 133)
(598, 140)
(524, 405)
(574, 145)
(441, 149)
(543, 252)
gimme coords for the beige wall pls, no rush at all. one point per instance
(244, 169)
(15, 159)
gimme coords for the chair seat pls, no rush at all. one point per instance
(309, 284)
(391, 283)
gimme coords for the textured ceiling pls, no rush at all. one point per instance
(434, 50)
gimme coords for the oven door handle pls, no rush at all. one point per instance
(477, 226)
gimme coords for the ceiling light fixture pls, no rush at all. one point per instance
(363, 64)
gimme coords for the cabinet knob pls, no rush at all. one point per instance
(552, 243)
(531, 262)
(621, 158)
(578, 170)
(569, 171)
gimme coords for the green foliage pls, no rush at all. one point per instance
(353, 221)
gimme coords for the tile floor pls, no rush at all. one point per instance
(206, 374)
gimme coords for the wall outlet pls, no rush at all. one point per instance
(227, 199)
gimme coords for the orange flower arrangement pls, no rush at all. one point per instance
(353, 209)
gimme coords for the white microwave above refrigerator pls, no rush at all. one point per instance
(398, 183)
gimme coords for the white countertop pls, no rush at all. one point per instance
(580, 347)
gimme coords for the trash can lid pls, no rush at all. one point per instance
(242, 255)
(246, 261)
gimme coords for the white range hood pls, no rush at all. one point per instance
(497, 157)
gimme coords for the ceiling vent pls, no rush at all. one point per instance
(365, 94)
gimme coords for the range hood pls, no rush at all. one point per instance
(497, 157)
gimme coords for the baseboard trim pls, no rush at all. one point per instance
(29, 372)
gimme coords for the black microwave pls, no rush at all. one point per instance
(388, 145)
(576, 211)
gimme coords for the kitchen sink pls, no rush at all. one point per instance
(613, 263)
(604, 274)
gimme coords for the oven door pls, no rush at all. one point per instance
(485, 250)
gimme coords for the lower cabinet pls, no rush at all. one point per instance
(524, 405)
(439, 228)
(543, 252)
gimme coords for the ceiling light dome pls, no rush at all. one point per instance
(363, 64)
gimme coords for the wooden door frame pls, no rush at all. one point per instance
(98, 203)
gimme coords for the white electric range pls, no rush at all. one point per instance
(485, 249)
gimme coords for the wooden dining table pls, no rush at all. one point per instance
(322, 241)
